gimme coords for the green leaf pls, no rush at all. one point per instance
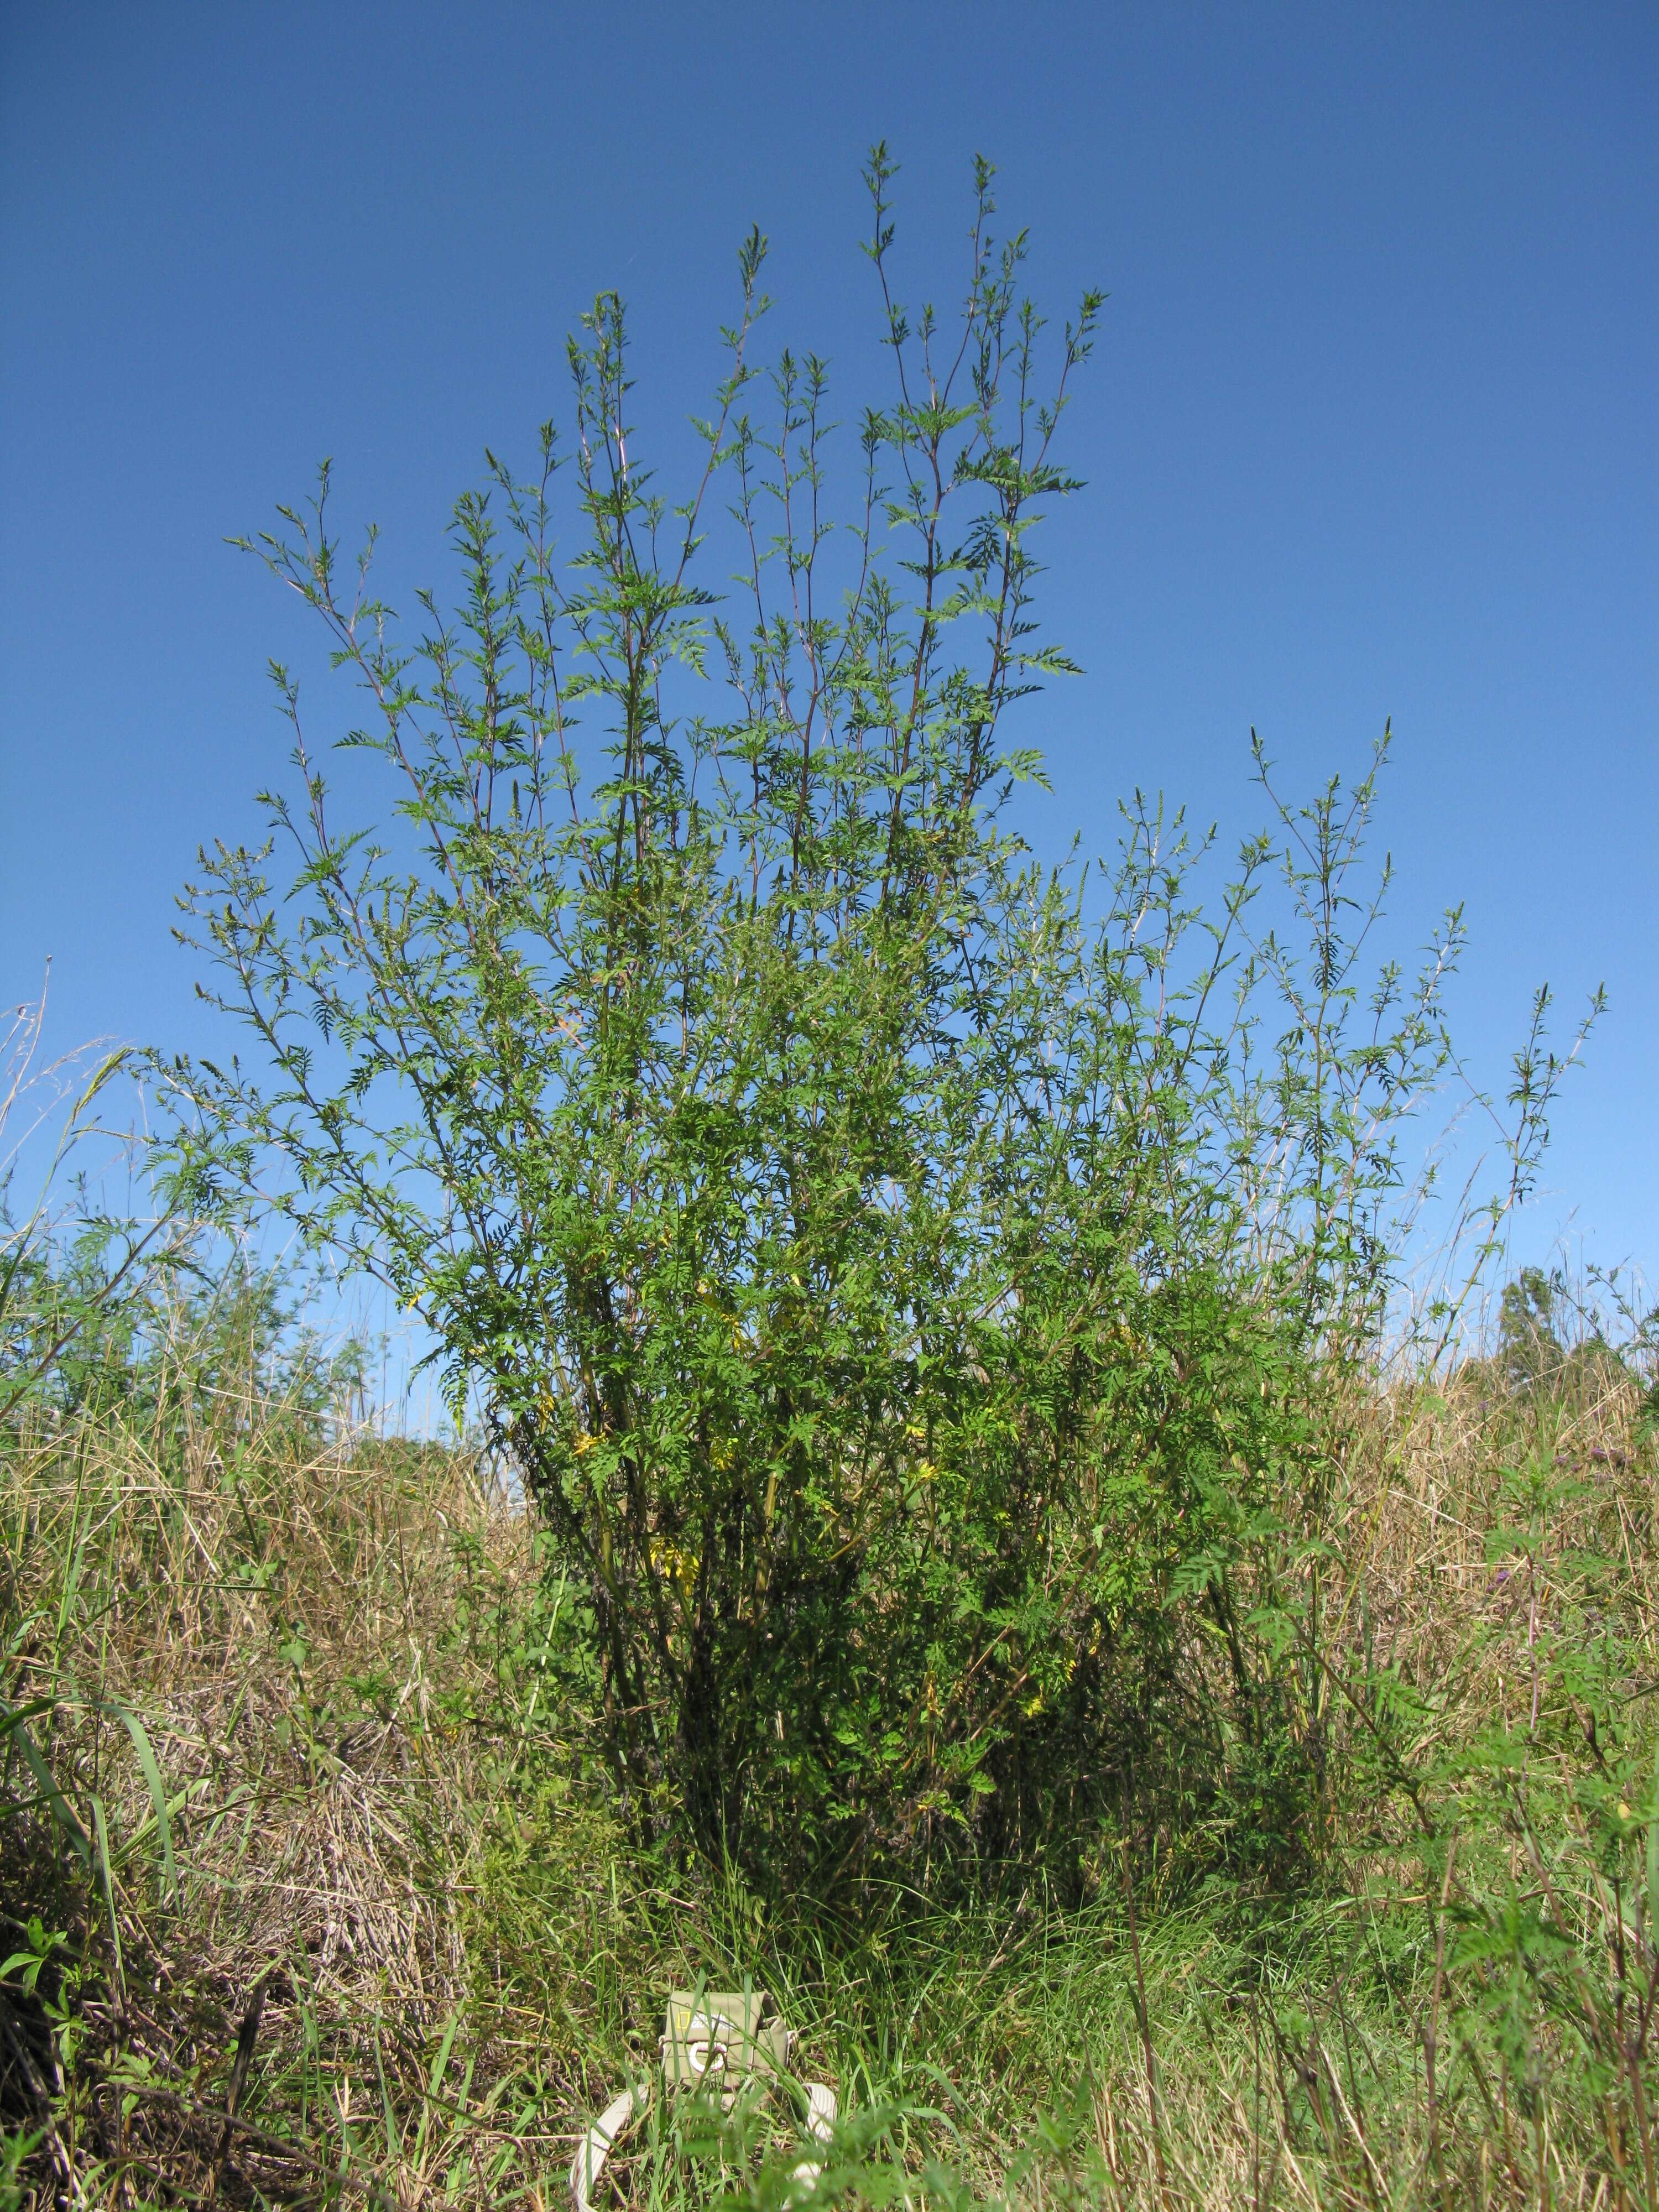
(152, 1772)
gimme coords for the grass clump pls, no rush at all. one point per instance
(326, 1798)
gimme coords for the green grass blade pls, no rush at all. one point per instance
(107, 1883)
(13, 1723)
(146, 1759)
(434, 2079)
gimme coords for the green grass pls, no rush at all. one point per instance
(303, 1706)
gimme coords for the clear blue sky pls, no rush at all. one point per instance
(1372, 430)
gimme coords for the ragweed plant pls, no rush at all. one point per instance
(853, 1233)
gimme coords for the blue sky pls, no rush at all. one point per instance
(1371, 431)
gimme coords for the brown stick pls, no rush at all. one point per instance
(1432, 2039)
(247, 2036)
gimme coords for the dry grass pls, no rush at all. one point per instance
(310, 1634)
(1424, 1497)
(398, 1890)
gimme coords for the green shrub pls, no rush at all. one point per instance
(897, 1270)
